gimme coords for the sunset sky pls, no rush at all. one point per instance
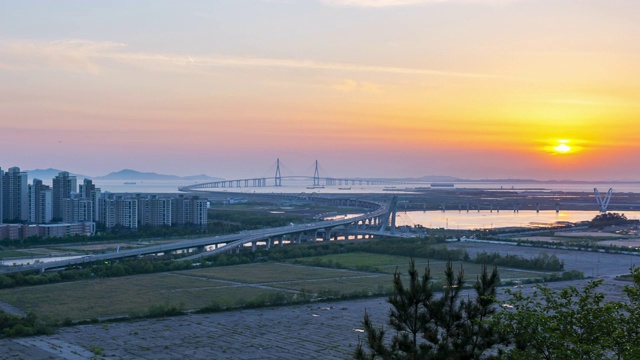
(542, 89)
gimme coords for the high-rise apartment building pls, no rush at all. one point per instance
(86, 188)
(40, 203)
(189, 210)
(154, 210)
(89, 191)
(108, 211)
(127, 212)
(77, 209)
(63, 186)
(119, 210)
(15, 196)
(1, 196)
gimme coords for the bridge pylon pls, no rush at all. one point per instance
(278, 177)
(603, 202)
(316, 176)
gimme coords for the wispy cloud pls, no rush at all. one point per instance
(396, 3)
(72, 55)
(88, 56)
(350, 85)
(334, 66)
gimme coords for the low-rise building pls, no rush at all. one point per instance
(24, 231)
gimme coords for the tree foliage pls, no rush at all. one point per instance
(572, 323)
(631, 327)
(16, 326)
(543, 261)
(608, 219)
(430, 327)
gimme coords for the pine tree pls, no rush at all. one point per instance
(427, 327)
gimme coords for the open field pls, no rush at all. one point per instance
(390, 263)
(627, 235)
(371, 283)
(122, 296)
(310, 331)
(10, 254)
(614, 240)
(267, 272)
(588, 234)
(191, 289)
(223, 286)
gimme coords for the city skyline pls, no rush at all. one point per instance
(538, 89)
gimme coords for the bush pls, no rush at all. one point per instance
(158, 311)
(608, 219)
(542, 262)
(16, 326)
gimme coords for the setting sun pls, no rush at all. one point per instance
(562, 147)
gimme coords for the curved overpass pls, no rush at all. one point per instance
(379, 215)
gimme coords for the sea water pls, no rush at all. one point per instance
(485, 219)
(450, 219)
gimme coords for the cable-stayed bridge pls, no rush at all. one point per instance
(315, 181)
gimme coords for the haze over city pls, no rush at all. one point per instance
(475, 89)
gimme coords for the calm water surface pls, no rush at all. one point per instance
(485, 219)
(293, 186)
(452, 219)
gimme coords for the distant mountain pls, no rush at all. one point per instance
(128, 174)
(48, 174)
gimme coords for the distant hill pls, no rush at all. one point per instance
(128, 174)
(48, 174)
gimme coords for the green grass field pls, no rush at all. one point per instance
(390, 263)
(373, 283)
(191, 289)
(222, 286)
(268, 272)
(14, 254)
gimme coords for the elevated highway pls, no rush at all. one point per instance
(372, 222)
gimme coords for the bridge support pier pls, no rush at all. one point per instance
(327, 235)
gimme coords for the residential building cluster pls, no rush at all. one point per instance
(65, 209)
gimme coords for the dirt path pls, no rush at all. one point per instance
(10, 309)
